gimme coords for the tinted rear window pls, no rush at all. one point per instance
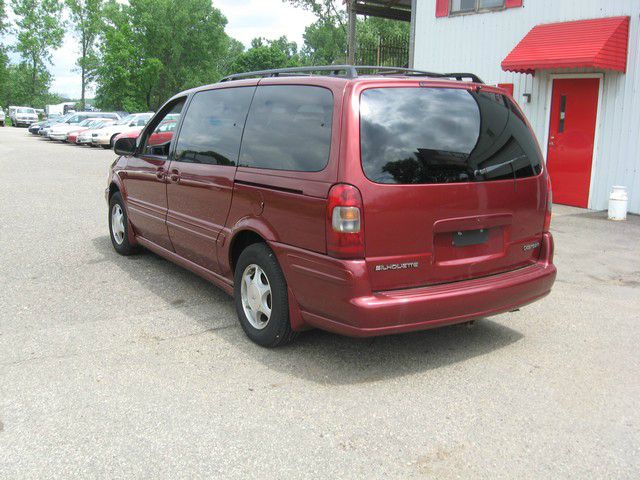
(443, 135)
(288, 128)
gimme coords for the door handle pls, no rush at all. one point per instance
(174, 175)
(160, 174)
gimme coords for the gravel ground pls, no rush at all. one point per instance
(114, 367)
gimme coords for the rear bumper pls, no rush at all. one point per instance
(334, 295)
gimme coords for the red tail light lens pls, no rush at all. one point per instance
(547, 215)
(345, 222)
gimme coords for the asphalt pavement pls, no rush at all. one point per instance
(114, 367)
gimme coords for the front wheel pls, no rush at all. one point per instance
(119, 226)
(261, 297)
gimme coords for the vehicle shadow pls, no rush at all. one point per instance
(318, 356)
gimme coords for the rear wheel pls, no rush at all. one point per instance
(119, 226)
(261, 297)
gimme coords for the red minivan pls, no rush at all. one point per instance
(321, 197)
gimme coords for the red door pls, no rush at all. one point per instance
(574, 106)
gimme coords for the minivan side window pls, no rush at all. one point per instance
(444, 135)
(212, 126)
(288, 128)
(160, 145)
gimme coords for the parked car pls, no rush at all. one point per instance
(76, 118)
(60, 131)
(35, 127)
(45, 127)
(2, 117)
(23, 116)
(162, 134)
(88, 124)
(131, 123)
(360, 204)
(84, 137)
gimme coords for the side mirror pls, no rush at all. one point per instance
(125, 146)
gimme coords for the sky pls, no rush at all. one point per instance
(246, 19)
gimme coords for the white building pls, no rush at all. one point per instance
(580, 89)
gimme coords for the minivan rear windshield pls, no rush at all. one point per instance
(443, 135)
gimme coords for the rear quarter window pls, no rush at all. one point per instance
(288, 128)
(443, 135)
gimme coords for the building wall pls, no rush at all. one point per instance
(479, 42)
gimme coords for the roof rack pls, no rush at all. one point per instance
(349, 71)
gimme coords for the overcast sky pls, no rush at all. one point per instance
(246, 19)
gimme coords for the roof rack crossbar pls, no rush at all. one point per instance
(349, 71)
(462, 75)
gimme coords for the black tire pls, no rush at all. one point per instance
(278, 330)
(123, 247)
(106, 146)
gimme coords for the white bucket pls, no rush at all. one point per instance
(618, 201)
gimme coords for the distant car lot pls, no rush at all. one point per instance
(135, 367)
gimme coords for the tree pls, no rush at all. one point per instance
(86, 17)
(267, 54)
(325, 41)
(18, 90)
(39, 30)
(4, 59)
(325, 10)
(152, 49)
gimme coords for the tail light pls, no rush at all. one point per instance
(547, 215)
(345, 222)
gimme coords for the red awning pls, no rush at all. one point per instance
(599, 43)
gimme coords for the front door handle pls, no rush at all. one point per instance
(160, 174)
(174, 175)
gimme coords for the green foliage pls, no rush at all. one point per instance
(141, 52)
(3, 18)
(4, 59)
(39, 31)
(325, 42)
(86, 19)
(17, 89)
(152, 49)
(325, 10)
(266, 54)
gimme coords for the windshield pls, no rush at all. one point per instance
(443, 135)
(26, 110)
(125, 120)
(76, 119)
(62, 119)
